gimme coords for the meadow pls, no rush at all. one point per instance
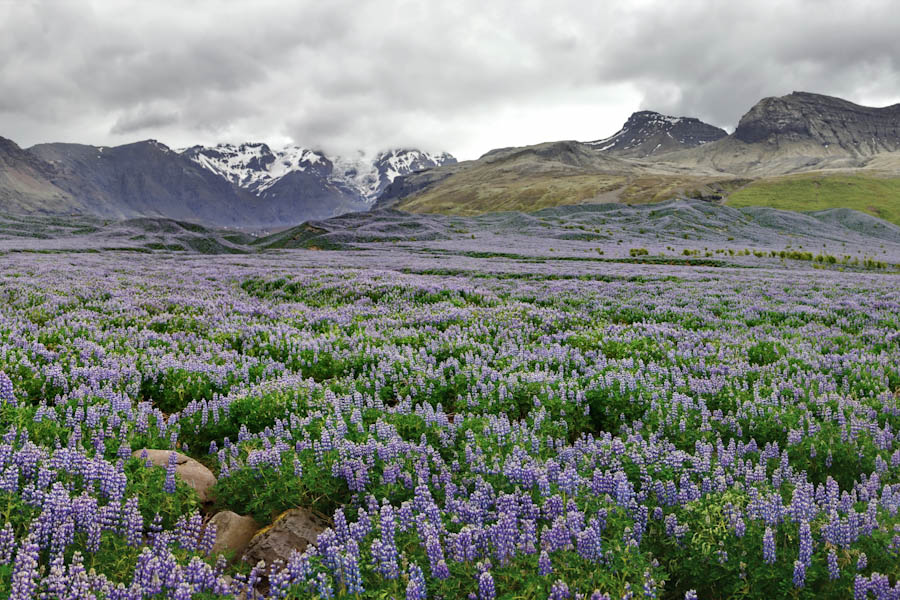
(869, 193)
(468, 427)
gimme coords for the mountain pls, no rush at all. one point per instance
(149, 179)
(317, 185)
(834, 152)
(802, 132)
(246, 185)
(825, 120)
(647, 133)
(27, 183)
(795, 151)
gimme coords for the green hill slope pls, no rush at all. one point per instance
(877, 196)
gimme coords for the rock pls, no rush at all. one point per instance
(189, 470)
(294, 529)
(233, 532)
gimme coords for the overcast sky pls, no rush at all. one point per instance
(458, 75)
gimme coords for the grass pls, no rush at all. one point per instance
(877, 196)
(477, 193)
(486, 190)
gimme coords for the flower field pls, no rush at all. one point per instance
(486, 429)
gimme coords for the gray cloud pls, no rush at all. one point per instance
(464, 76)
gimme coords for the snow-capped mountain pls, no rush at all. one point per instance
(260, 169)
(648, 133)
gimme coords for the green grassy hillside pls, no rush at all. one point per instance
(482, 191)
(878, 196)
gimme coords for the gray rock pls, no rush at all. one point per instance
(233, 532)
(292, 530)
(187, 469)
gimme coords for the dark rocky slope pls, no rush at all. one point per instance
(647, 133)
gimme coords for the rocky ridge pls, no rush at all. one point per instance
(801, 116)
(647, 133)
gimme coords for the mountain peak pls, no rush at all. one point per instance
(258, 168)
(823, 120)
(648, 133)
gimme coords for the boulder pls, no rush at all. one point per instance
(187, 469)
(292, 530)
(233, 532)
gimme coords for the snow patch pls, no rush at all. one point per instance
(257, 167)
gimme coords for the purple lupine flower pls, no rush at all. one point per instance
(862, 562)
(340, 526)
(740, 527)
(415, 588)
(169, 486)
(7, 394)
(207, 539)
(7, 543)
(545, 567)
(860, 588)
(799, 573)
(25, 570)
(649, 585)
(184, 591)
(690, 595)
(559, 591)
(131, 523)
(834, 572)
(806, 544)
(486, 589)
(323, 587)
(386, 554)
(351, 573)
(769, 546)
(506, 532)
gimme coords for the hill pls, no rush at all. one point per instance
(868, 193)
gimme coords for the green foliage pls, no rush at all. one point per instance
(148, 484)
(764, 353)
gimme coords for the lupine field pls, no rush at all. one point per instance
(468, 428)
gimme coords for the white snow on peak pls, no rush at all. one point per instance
(257, 167)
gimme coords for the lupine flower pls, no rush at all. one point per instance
(7, 395)
(352, 575)
(799, 573)
(545, 567)
(415, 587)
(806, 544)
(486, 586)
(834, 571)
(169, 485)
(25, 571)
(559, 591)
(769, 546)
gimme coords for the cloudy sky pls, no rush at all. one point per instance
(459, 75)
